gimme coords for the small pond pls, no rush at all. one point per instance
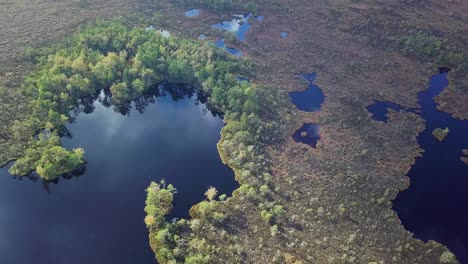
(150, 28)
(308, 134)
(242, 79)
(202, 37)
(284, 34)
(309, 100)
(436, 203)
(221, 44)
(238, 25)
(164, 33)
(98, 217)
(192, 13)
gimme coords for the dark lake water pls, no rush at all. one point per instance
(98, 217)
(308, 134)
(435, 207)
(309, 100)
(379, 110)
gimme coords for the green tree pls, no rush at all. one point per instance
(211, 193)
(57, 161)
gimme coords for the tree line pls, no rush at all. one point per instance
(127, 61)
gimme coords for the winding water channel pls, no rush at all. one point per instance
(435, 205)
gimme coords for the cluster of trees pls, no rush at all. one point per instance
(165, 237)
(420, 43)
(185, 241)
(427, 46)
(14, 135)
(126, 62)
(159, 202)
(48, 159)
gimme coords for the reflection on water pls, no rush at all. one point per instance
(242, 79)
(202, 37)
(434, 207)
(308, 134)
(311, 99)
(98, 217)
(220, 44)
(192, 13)
(239, 26)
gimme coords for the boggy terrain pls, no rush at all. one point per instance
(330, 204)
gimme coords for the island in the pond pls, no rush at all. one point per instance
(440, 133)
(240, 131)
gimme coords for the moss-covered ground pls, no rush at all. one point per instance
(331, 204)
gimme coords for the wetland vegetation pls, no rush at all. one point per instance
(127, 62)
(220, 5)
(124, 63)
(314, 185)
(429, 178)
